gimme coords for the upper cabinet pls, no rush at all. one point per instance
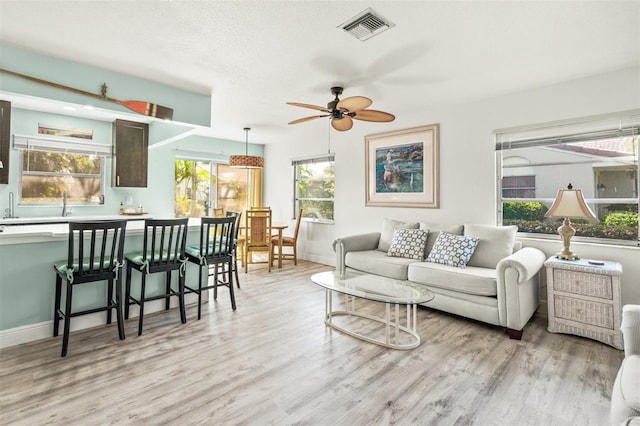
(130, 145)
(5, 136)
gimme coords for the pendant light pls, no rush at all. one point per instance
(246, 161)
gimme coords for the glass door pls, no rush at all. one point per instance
(201, 186)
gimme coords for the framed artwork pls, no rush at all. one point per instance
(402, 168)
(47, 129)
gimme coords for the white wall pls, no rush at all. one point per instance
(467, 163)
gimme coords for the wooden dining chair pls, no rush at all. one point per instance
(163, 250)
(257, 237)
(287, 241)
(214, 252)
(95, 253)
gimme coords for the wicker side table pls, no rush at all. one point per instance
(584, 299)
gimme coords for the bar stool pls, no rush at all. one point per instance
(216, 248)
(236, 231)
(163, 251)
(99, 258)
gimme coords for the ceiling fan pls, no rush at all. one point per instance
(343, 111)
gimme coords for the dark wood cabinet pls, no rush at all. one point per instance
(5, 139)
(130, 153)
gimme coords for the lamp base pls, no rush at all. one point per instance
(565, 256)
(566, 231)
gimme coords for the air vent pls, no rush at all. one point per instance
(366, 24)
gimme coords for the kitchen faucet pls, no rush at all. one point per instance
(64, 203)
(9, 212)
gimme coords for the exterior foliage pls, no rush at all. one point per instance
(47, 174)
(316, 190)
(529, 210)
(529, 217)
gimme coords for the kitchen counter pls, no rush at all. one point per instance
(37, 230)
(16, 221)
(27, 253)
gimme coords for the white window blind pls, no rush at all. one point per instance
(599, 127)
(60, 144)
(324, 158)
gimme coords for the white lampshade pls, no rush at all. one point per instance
(570, 203)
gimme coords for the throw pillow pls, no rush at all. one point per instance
(496, 243)
(453, 250)
(408, 243)
(390, 225)
(435, 229)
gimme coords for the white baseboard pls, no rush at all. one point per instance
(31, 332)
(325, 260)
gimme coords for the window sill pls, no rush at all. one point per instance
(320, 221)
(595, 242)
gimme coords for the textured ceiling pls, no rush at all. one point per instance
(253, 56)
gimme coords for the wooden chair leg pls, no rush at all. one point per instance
(56, 306)
(200, 288)
(143, 285)
(183, 310)
(235, 268)
(231, 292)
(119, 318)
(245, 260)
(109, 299)
(67, 320)
(127, 292)
(167, 291)
(215, 282)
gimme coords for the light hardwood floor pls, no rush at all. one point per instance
(273, 361)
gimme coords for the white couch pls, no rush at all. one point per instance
(625, 396)
(499, 285)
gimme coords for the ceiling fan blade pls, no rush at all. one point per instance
(373, 115)
(342, 124)
(354, 103)
(302, 120)
(319, 108)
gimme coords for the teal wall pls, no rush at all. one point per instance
(188, 107)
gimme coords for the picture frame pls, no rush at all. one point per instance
(402, 168)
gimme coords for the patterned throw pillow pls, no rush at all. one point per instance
(408, 243)
(453, 250)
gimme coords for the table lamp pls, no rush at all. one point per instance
(569, 203)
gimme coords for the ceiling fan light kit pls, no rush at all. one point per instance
(342, 112)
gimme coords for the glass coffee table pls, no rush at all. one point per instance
(353, 285)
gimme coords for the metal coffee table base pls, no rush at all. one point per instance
(393, 328)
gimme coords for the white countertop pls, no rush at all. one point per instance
(34, 230)
(66, 219)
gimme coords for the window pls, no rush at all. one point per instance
(598, 155)
(51, 167)
(314, 188)
(202, 185)
(518, 186)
